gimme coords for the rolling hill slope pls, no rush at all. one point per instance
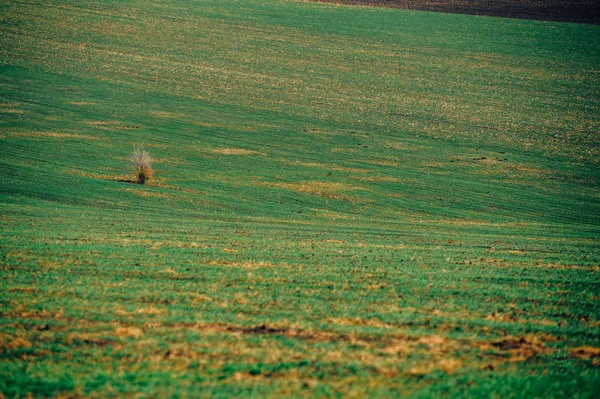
(347, 200)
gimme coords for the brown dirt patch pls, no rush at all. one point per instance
(515, 349)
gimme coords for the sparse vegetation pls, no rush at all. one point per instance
(141, 165)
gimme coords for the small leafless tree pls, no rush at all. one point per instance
(141, 164)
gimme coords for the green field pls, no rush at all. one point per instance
(348, 201)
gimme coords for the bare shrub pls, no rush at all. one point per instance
(141, 165)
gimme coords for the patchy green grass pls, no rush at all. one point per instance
(347, 201)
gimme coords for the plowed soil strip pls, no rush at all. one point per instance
(581, 11)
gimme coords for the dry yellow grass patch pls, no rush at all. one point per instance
(149, 311)
(331, 190)
(398, 195)
(98, 175)
(81, 103)
(11, 111)
(9, 104)
(357, 321)
(327, 166)
(421, 370)
(384, 163)
(124, 242)
(236, 151)
(316, 187)
(517, 169)
(147, 194)
(528, 170)
(543, 322)
(590, 268)
(375, 179)
(10, 108)
(108, 125)
(449, 366)
(331, 241)
(397, 347)
(343, 150)
(155, 182)
(133, 332)
(17, 343)
(465, 222)
(240, 128)
(103, 123)
(207, 124)
(496, 165)
(587, 353)
(434, 168)
(436, 343)
(169, 161)
(56, 135)
(432, 165)
(280, 328)
(396, 145)
(440, 353)
(201, 298)
(38, 314)
(167, 115)
(244, 265)
(121, 312)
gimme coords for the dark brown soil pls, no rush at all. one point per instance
(582, 11)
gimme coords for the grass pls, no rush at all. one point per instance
(346, 201)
